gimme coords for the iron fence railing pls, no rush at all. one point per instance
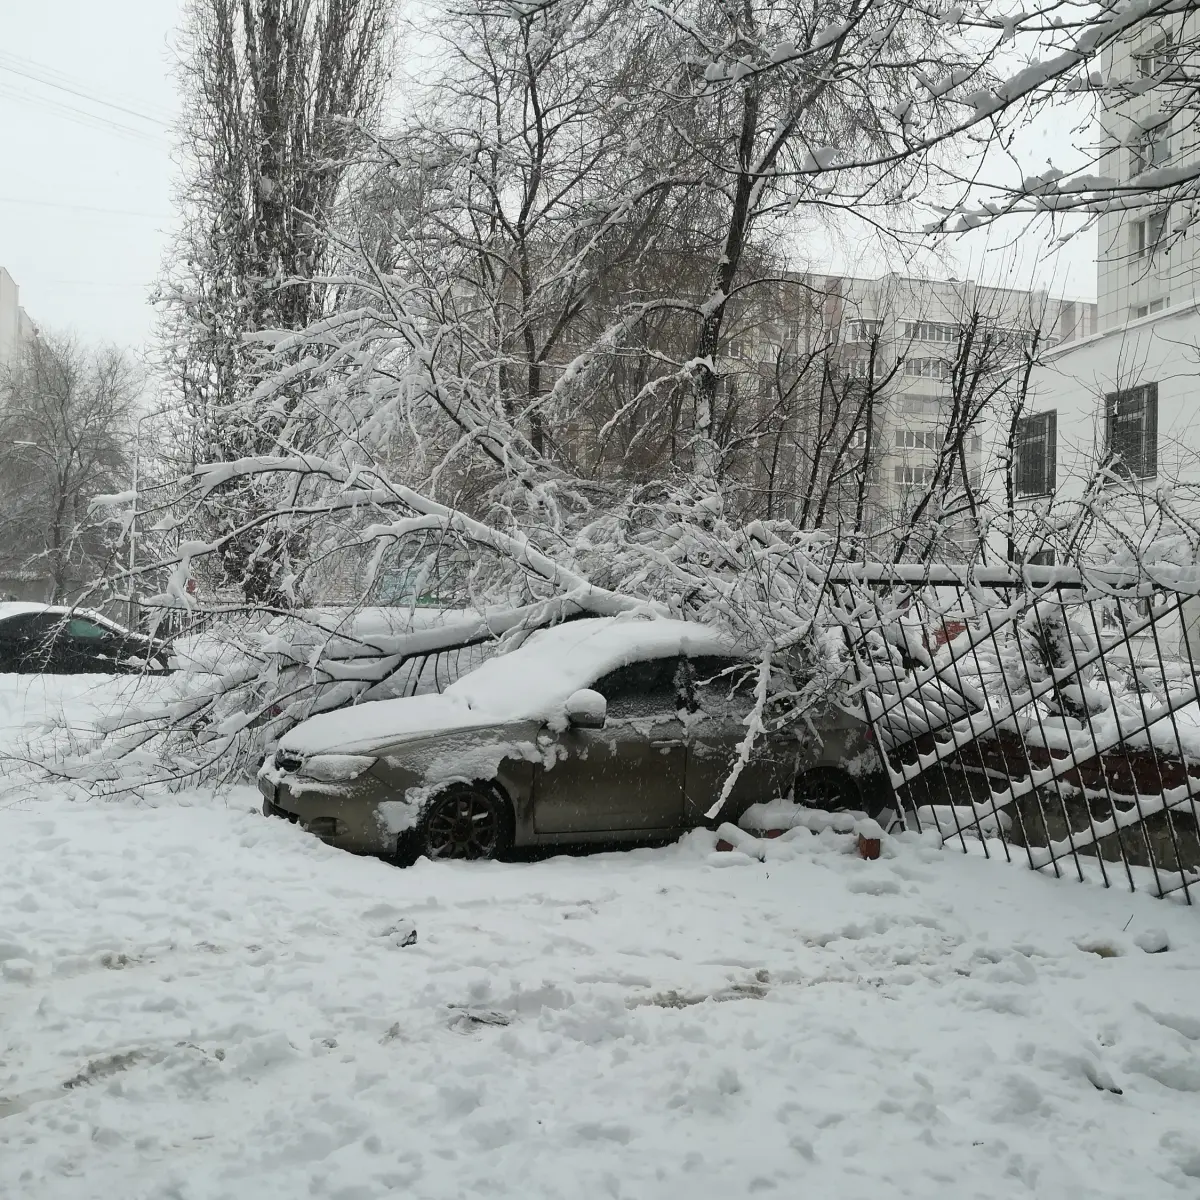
(1045, 713)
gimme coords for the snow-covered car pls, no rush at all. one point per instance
(597, 730)
(53, 639)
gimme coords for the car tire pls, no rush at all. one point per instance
(828, 789)
(467, 822)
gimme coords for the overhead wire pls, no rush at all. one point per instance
(78, 116)
(114, 212)
(46, 77)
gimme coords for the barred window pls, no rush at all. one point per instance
(1035, 453)
(1131, 431)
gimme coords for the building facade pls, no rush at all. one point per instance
(15, 325)
(1149, 254)
(1120, 411)
(896, 385)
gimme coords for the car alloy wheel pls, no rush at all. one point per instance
(463, 823)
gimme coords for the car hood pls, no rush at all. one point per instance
(382, 723)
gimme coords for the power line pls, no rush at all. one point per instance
(79, 116)
(53, 75)
(82, 94)
(115, 212)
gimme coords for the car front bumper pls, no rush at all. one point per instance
(352, 821)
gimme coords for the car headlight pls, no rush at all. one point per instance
(325, 768)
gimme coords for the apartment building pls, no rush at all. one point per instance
(15, 325)
(898, 337)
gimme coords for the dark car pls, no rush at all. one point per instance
(51, 639)
(599, 730)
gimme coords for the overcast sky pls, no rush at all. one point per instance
(86, 103)
(64, 156)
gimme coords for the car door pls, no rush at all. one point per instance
(44, 644)
(90, 647)
(17, 644)
(628, 776)
(722, 695)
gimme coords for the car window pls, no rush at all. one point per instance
(21, 626)
(723, 686)
(44, 625)
(642, 689)
(77, 627)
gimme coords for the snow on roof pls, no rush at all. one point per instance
(529, 683)
(555, 662)
(20, 608)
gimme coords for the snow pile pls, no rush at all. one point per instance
(200, 1003)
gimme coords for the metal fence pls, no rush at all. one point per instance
(1047, 715)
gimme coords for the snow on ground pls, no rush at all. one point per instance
(200, 1003)
(44, 714)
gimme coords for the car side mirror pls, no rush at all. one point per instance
(586, 709)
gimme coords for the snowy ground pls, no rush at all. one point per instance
(196, 1002)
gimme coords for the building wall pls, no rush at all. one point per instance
(1074, 381)
(15, 325)
(1148, 288)
(1137, 274)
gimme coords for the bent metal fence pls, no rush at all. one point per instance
(1049, 714)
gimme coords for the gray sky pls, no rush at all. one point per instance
(64, 155)
(61, 159)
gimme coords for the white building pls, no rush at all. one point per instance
(917, 324)
(15, 325)
(1128, 398)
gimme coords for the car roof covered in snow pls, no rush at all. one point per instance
(528, 684)
(553, 663)
(21, 608)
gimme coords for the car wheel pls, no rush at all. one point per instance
(466, 822)
(828, 789)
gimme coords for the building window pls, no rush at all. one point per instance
(1010, 341)
(858, 439)
(1148, 233)
(918, 405)
(914, 476)
(1145, 310)
(1152, 148)
(1041, 558)
(864, 331)
(1155, 57)
(930, 331)
(1131, 431)
(1034, 454)
(927, 368)
(917, 439)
